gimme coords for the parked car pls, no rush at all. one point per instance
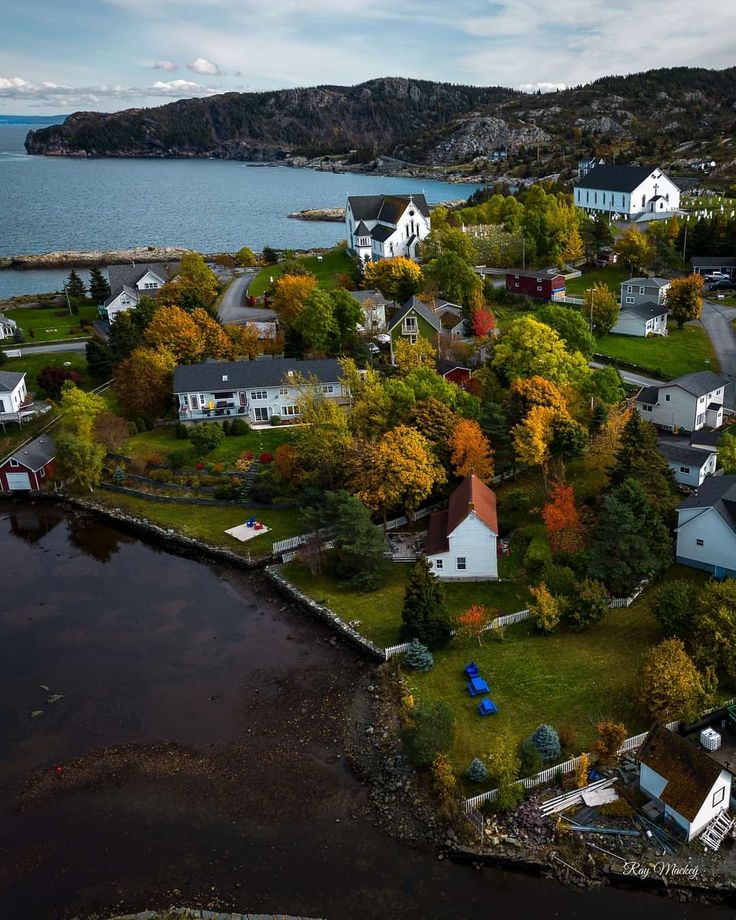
(717, 276)
(724, 284)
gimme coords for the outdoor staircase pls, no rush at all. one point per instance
(250, 475)
(717, 831)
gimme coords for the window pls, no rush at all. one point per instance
(284, 391)
(719, 795)
(666, 397)
(631, 300)
(684, 469)
(461, 563)
(595, 197)
(410, 323)
(641, 289)
(539, 287)
(411, 339)
(647, 408)
(259, 394)
(14, 462)
(43, 472)
(290, 410)
(328, 388)
(261, 413)
(699, 543)
(439, 563)
(629, 289)
(587, 197)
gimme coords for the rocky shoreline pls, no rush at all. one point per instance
(76, 259)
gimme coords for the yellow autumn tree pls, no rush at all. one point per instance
(289, 295)
(143, 384)
(532, 436)
(217, 344)
(175, 331)
(244, 341)
(397, 279)
(408, 357)
(471, 451)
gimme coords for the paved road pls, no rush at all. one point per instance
(716, 320)
(49, 349)
(630, 377)
(231, 310)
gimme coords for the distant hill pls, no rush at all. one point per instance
(668, 116)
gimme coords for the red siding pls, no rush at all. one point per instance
(37, 480)
(540, 287)
(458, 375)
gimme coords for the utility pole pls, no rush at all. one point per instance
(684, 243)
(68, 303)
(523, 251)
(592, 295)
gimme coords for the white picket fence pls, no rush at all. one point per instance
(396, 650)
(422, 513)
(508, 619)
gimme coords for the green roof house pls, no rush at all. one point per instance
(412, 321)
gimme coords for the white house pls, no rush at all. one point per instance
(706, 528)
(384, 226)
(128, 283)
(8, 327)
(641, 319)
(690, 786)
(689, 464)
(374, 306)
(688, 402)
(626, 191)
(13, 394)
(253, 390)
(461, 542)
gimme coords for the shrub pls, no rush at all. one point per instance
(153, 460)
(218, 468)
(443, 779)
(611, 735)
(51, 378)
(418, 657)
(177, 459)
(547, 742)
(227, 492)
(674, 606)
(517, 500)
(266, 457)
(181, 431)
(531, 759)
(477, 772)
(430, 733)
(226, 427)
(242, 465)
(199, 465)
(588, 606)
(118, 475)
(263, 494)
(238, 427)
(275, 419)
(537, 556)
(508, 797)
(270, 256)
(207, 437)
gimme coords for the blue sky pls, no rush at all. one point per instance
(113, 54)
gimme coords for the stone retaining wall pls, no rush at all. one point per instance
(182, 500)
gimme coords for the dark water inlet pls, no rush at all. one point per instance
(200, 729)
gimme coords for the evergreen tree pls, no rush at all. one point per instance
(477, 772)
(124, 337)
(674, 605)
(99, 359)
(546, 740)
(424, 615)
(598, 418)
(99, 289)
(630, 540)
(75, 286)
(431, 732)
(639, 458)
(418, 657)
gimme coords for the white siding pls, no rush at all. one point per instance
(682, 409)
(13, 399)
(628, 324)
(692, 475)
(709, 810)
(121, 303)
(709, 529)
(474, 542)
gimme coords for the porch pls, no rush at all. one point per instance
(406, 547)
(187, 414)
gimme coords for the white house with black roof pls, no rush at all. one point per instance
(128, 283)
(252, 390)
(689, 464)
(706, 265)
(385, 226)
(706, 528)
(626, 192)
(374, 306)
(688, 403)
(8, 327)
(13, 394)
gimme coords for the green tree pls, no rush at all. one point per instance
(477, 772)
(727, 452)
(674, 605)
(359, 543)
(529, 348)
(546, 740)
(99, 359)
(606, 385)
(245, 257)
(424, 615)
(316, 323)
(601, 306)
(635, 250)
(571, 327)
(431, 732)
(348, 315)
(206, 437)
(711, 639)
(80, 460)
(418, 657)
(669, 685)
(588, 606)
(75, 287)
(78, 410)
(99, 289)
(503, 768)
(685, 299)
(323, 440)
(125, 336)
(454, 277)
(639, 458)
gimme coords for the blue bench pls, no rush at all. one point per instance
(487, 707)
(477, 685)
(471, 670)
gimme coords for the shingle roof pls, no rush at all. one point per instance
(9, 380)
(714, 261)
(719, 493)
(471, 495)
(544, 274)
(648, 395)
(615, 178)
(207, 376)
(381, 233)
(648, 282)
(644, 310)
(361, 230)
(706, 438)
(7, 319)
(414, 303)
(689, 771)
(388, 208)
(36, 454)
(375, 297)
(698, 383)
(691, 456)
(120, 276)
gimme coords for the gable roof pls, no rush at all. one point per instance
(416, 305)
(698, 383)
(647, 282)
(375, 297)
(714, 261)
(121, 276)
(615, 178)
(689, 771)
(677, 453)
(644, 311)
(719, 493)
(388, 208)
(471, 496)
(704, 440)
(207, 375)
(9, 380)
(380, 233)
(37, 454)
(361, 230)
(543, 274)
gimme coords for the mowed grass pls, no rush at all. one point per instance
(208, 523)
(161, 441)
(49, 324)
(335, 262)
(33, 364)
(612, 275)
(682, 351)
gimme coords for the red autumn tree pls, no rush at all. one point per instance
(483, 322)
(473, 622)
(562, 520)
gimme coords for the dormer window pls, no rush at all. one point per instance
(224, 378)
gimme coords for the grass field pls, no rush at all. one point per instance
(33, 364)
(682, 351)
(163, 440)
(613, 275)
(48, 324)
(208, 523)
(335, 262)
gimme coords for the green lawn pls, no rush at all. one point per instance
(335, 262)
(163, 440)
(32, 364)
(48, 324)
(612, 275)
(208, 523)
(682, 351)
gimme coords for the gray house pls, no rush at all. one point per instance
(688, 403)
(641, 319)
(644, 290)
(706, 528)
(689, 464)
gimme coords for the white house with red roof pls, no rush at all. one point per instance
(461, 542)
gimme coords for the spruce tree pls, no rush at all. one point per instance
(639, 458)
(418, 657)
(99, 289)
(477, 772)
(424, 615)
(75, 286)
(99, 359)
(546, 740)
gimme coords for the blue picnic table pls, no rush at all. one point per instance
(477, 686)
(487, 707)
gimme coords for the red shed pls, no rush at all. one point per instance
(29, 467)
(541, 285)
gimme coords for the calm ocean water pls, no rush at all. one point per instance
(48, 203)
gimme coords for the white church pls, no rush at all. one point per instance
(627, 192)
(386, 226)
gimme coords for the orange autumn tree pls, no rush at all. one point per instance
(289, 294)
(473, 622)
(562, 520)
(470, 450)
(176, 331)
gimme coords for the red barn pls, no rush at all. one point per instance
(456, 373)
(541, 285)
(29, 467)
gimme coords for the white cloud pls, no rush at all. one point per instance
(541, 87)
(203, 66)
(168, 66)
(59, 95)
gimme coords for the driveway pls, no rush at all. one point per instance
(231, 310)
(629, 376)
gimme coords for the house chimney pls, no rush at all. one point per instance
(224, 378)
(471, 507)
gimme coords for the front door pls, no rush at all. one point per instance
(261, 413)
